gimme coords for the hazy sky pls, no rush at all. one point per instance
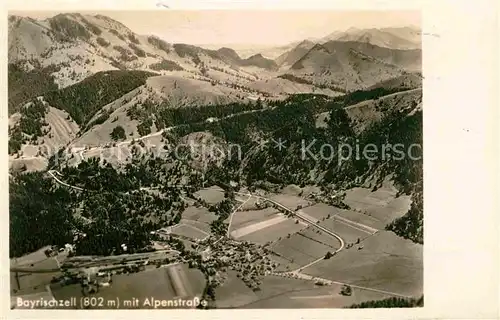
(270, 27)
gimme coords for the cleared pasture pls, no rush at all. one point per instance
(324, 238)
(29, 283)
(188, 231)
(211, 195)
(381, 204)
(244, 218)
(157, 283)
(199, 214)
(151, 283)
(255, 227)
(362, 218)
(273, 232)
(197, 224)
(345, 231)
(29, 258)
(329, 297)
(233, 293)
(310, 296)
(386, 262)
(289, 201)
(300, 250)
(322, 210)
(179, 280)
(354, 224)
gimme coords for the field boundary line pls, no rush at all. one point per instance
(232, 215)
(356, 228)
(348, 221)
(192, 227)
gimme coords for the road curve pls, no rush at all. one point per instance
(232, 215)
(51, 172)
(249, 195)
(298, 215)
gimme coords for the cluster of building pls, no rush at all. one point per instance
(250, 261)
(55, 250)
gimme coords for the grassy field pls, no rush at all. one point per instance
(211, 195)
(188, 231)
(157, 283)
(251, 204)
(273, 232)
(345, 231)
(233, 293)
(275, 292)
(30, 258)
(362, 218)
(386, 262)
(290, 201)
(152, 283)
(199, 214)
(256, 227)
(300, 250)
(321, 210)
(30, 283)
(279, 292)
(282, 263)
(322, 237)
(200, 225)
(179, 280)
(381, 204)
(307, 295)
(244, 218)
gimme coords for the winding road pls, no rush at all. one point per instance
(295, 273)
(298, 215)
(51, 172)
(232, 214)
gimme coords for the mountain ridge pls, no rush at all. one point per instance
(74, 51)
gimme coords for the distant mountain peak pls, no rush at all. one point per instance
(319, 47)
(228, 52)
(260, 61)
(403, 38)
(306, 43)
(257, 56)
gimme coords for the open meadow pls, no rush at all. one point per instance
(382, 204)
(346, 231)
(199, 214)
(386, 262)
(189, 231)
(321, 210)
(211, 195)
(273, 232)
(161, 283)
(25, 283)
(197, 224)
(300, 250)
(233, 292)
(280, 292)
(290, 201)
(242, 219)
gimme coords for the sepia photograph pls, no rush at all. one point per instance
(215, 159)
